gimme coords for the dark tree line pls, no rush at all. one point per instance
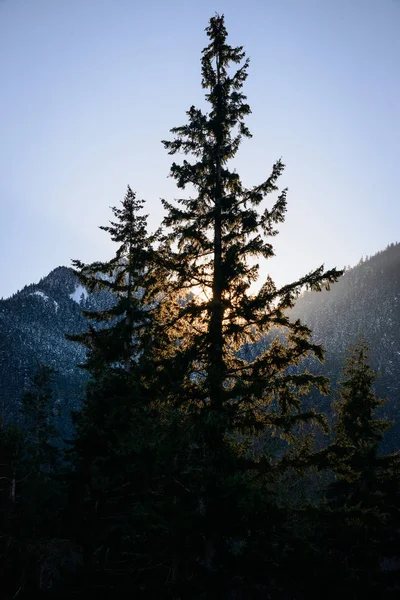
(193, 472)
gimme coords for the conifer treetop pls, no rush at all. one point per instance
(223, 208)
(129, 277)
(357, 424)
(213, 241)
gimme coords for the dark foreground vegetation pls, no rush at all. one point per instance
(196, 471)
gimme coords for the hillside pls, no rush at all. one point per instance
(32, 327)
(365, 302)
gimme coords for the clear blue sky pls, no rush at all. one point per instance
(90, 87)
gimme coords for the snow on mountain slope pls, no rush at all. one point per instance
(45, 298)
(79, 294)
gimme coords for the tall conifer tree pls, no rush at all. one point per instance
(213, 239)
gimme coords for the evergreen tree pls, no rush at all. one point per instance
(357, 425)
(28, 450)
(213, 239)
(128, 277)
(29, 493)
(113, 451)
(39, 488)
(12, 473)
(37, 408)
(117, 340)
(363, 500)
(358, 431)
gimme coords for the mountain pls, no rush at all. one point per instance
(32, 326)
(364, 302)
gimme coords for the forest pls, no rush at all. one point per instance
(199, 464)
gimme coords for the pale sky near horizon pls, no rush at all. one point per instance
(89, 88)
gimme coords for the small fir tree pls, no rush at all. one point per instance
(363, 500)
(357, 425)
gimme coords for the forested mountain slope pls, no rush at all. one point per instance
(365, 302)
(33, 323)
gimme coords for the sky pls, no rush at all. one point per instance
(89, 88)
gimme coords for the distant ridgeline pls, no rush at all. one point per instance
(364, 303)
(32, 327)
